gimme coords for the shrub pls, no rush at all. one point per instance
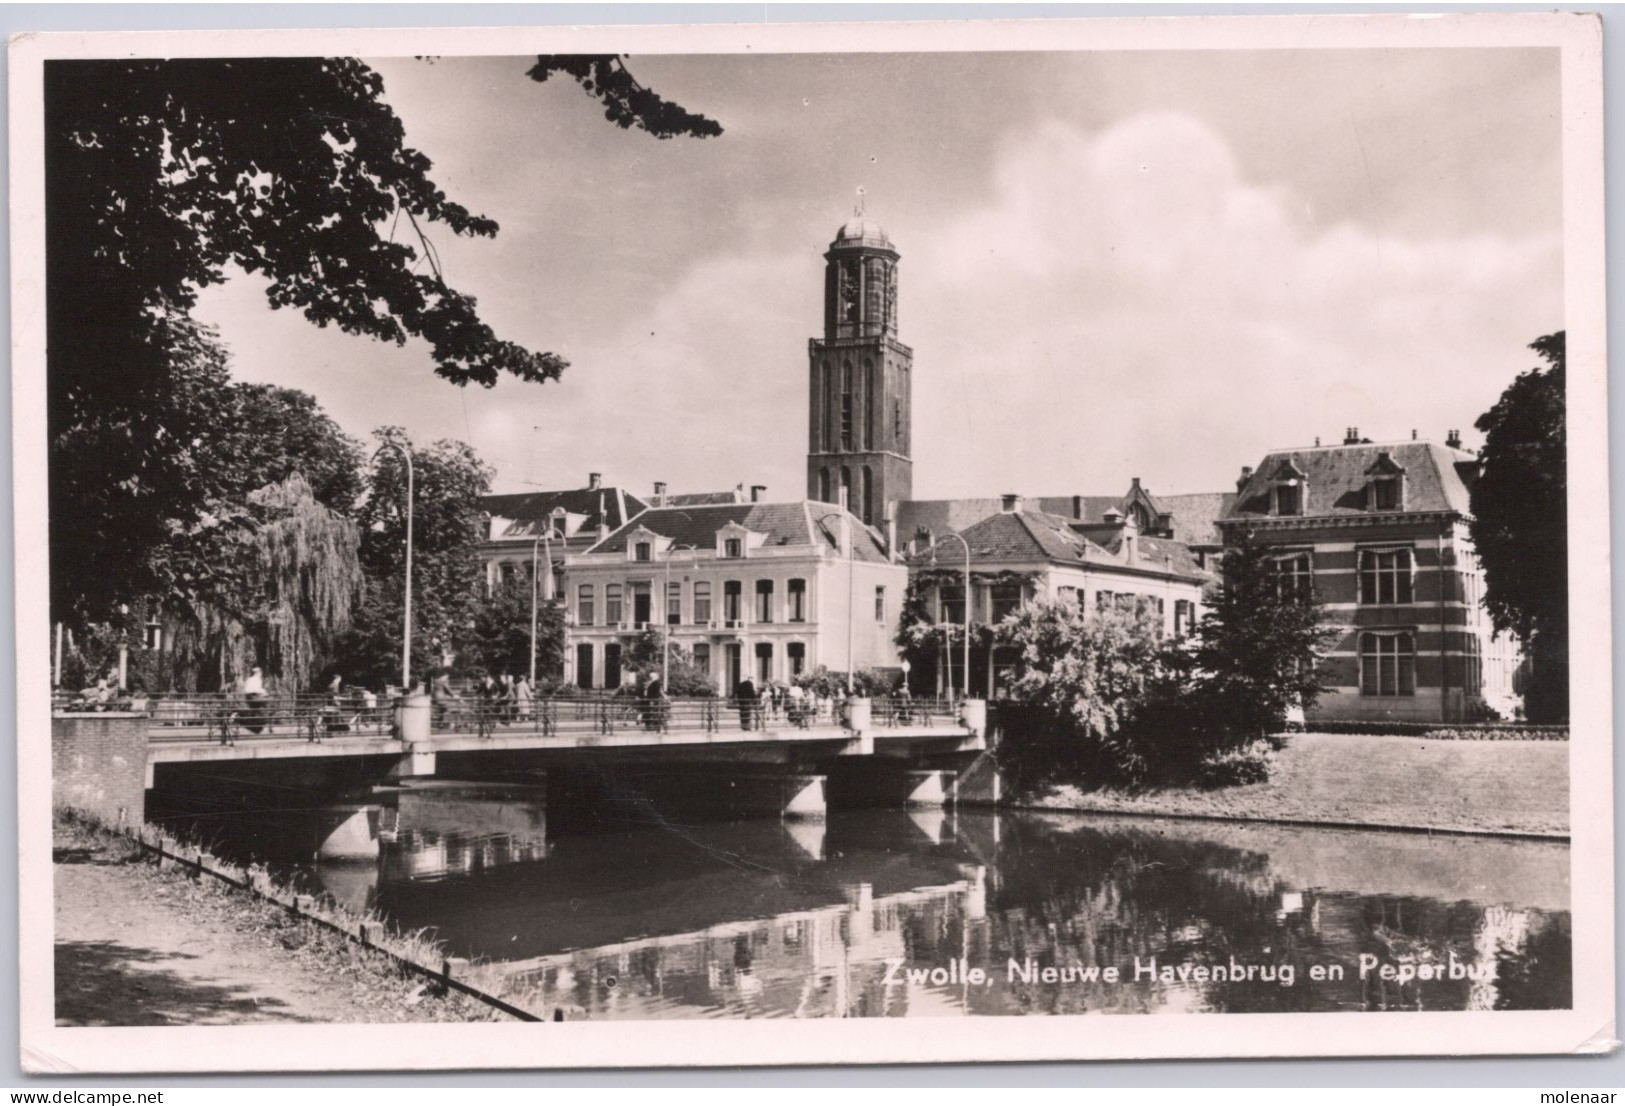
(1236, 767)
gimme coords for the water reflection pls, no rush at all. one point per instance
(892, 914)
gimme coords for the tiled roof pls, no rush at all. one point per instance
(1024, 536)
(1196, 516)
(702, 499)
(783, 524)
(528, 511)
(1436, 478)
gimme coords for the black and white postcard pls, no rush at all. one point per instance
(842, 543)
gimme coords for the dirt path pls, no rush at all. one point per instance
(139, 946)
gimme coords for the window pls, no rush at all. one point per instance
(1387, 664)
(642, 551)
(764, 662)
(1385, 494)
(1006, 600)
(702, 657)
(612, 604)
(1293, 577)
(584, 612)
(1289, 499)
(152, 634)
(642, 604)
(733, 547)
(798, 601)
(1066, 595)
(702, 602)
(1184, 615)
(733, 602)
(674, 603)
(764, 600)
(1385, 576)
(951, 601)
(846, 406)
(880, 605)
(612, 665)
(1105, 600)
(797, 653)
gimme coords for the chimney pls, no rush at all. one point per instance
(1352, 437)
(1077, 506)
(1134, 483)
(758, 492)
(1453, 439)
(1317, 441)
(1246, 475)
(1011, 502)
(660, 493)
(739, 493)
(595, 480)
(1413, 435)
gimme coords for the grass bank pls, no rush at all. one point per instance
(1413, 783)
(140, 944)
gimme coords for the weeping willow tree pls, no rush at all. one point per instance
(291, 586)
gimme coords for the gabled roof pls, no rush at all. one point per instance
(780, 524)
(1026, 536)
(1437, 478)
(1196, 516)
(702, 499)
(527, 512)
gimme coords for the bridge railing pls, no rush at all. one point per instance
(228, 717)
(898, 712)
(600, 714)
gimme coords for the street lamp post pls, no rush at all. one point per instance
(966, 544)
(406, 640)
(665, 624)
(851, 582)
(545, 540)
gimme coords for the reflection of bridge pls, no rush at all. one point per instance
(914, 753)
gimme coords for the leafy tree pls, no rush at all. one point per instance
(1520, 524)
(275, 432)
(1256, 651)
(448, 579)
(160, 174)
(301, 560)
(684, 678)
(501, 636)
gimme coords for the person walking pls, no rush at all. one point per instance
(745, 693)
(653, 706)
(521, 698)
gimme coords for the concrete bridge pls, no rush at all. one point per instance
(691, 757)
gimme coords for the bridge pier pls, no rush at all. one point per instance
(354, 837)
(602, 795)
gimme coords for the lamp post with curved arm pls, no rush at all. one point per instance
(545, 541)
(406, 641)
(665, 623)
(966, 544)
(851, 584)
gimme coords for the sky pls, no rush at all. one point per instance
(1138, 263)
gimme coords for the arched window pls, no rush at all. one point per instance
(868, 515)
(823, 485)
(846, 405)
(869, 426)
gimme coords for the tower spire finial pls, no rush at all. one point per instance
(857, 208)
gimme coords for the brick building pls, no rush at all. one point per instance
(1379, 531)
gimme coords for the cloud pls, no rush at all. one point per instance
(1119, 303)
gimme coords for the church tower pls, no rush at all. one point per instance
(859, 403)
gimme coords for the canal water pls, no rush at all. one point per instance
(929, 913)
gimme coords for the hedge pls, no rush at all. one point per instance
(1501, 731)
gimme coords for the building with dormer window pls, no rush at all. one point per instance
(759, 589)
(1377, 533)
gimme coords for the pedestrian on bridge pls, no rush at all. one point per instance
(745, 694)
